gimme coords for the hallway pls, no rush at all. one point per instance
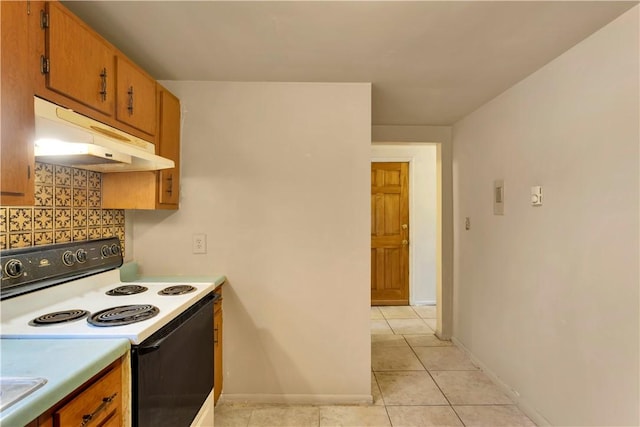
(416, 381)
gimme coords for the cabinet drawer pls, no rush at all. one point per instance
(100, 404)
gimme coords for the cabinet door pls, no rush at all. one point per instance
(169, 147)
(16, 105)
(81, 63)
(217, 346)
(135, 97)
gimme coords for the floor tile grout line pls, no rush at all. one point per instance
(437, 385)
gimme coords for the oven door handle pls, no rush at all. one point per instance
(154, 346)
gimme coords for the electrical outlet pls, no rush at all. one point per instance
(199, 244)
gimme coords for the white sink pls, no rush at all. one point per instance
(13, 389)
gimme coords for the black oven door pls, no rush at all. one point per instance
(172, 370)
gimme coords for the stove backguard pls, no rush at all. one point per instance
(29, 269)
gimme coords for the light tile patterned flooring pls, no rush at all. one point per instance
(417, 381)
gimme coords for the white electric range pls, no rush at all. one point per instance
(73, 290)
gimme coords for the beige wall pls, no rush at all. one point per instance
(277, 176)
(546, 297)
(444, 197)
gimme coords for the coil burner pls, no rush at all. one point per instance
(127, 290)
(123, 315)
(58, 317)
(177, 290)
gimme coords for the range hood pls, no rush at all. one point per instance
(64, 137)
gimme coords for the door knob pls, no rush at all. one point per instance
(405, 242)
(405, 226)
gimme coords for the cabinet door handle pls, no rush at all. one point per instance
(103, 85)
(106, 401)
(170, 181)
(130, 105)
(215, 337)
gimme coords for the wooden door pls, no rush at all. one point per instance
(81, 62)
(135, 97)
(389, 233)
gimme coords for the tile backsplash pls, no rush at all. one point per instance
(68, 207)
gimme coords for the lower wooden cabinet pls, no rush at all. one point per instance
(98, 402)
(217, 346)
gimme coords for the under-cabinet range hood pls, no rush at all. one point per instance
(64, 137)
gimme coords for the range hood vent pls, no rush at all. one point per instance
(64, 137)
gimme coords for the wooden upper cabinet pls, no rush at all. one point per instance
(156, 189)
(169, 147)
(135, 96)
(16, 104)
(81, 65)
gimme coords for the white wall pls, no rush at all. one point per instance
(422, 211)
(277, 176)
(547, 298)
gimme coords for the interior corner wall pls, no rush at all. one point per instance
(546, 298)
(277, 177)
(422, 214)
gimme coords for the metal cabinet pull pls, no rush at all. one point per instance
(103, 85)
(106, 401)
(130, 106)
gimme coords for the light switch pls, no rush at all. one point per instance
(536, 195)
(498, 197)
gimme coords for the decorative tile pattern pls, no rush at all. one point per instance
(63, 197)
(62, 218)
(44, 173)
(20, 219)
(108, 218)
(80, 197)
(42, 218)
(94, 180)
(62, 236)
(108, 231)
(68, 207)
(20, 240)
(94, 233)
(79, 234)
(79, 178)
(94, 199)
(62, 176)
(79, 219)
(118, 216)
(44, 195)
(3, 220)
(94, 217)
(42, 238)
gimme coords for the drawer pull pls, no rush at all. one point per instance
(86, 419)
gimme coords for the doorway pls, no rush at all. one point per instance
(389, 233)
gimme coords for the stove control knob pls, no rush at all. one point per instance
(81, 256)
(14, 268)
(115, 249)
(68, 258)
(105, 251)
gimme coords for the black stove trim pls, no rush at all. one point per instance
(45, 267)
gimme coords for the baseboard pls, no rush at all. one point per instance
(520, 402)
(300, 399)
(424, 302)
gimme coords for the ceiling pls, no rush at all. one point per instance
(430, 62)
